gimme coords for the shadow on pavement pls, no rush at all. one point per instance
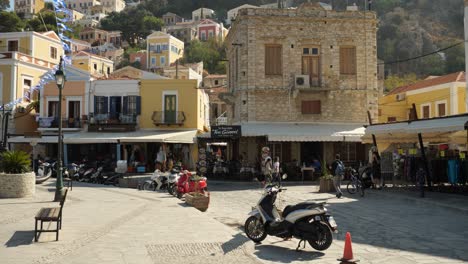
(284, 255)
(236, 242)
(21, 238)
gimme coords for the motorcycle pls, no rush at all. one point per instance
(152, 183)
(97, 177)
(187, 183)
(307, 221)
(365, 176)
(172, 181)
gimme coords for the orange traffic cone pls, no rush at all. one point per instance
(348, 251)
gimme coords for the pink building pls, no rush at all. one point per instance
(208, 28)
(139, 56)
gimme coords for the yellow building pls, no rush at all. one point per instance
(433, 97)
(28, 8)
(24, 58)
(163, 50)
(173, 104)
(94, 64)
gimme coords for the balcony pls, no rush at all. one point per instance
(112, 123)
(52, 123)
(166, 118)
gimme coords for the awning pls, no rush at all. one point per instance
(302, 132)
(439, 125)
(92, 137)
(27, 140)
(183, 137)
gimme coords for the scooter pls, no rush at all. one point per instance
(187, 183)
(307, 221)
(152, 184)
(172, 181)
(97, 177)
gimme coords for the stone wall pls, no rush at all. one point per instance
(17, 185)
(263, 98)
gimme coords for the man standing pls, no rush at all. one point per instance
(338, 170)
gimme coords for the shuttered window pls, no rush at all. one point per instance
(391, 119)
(311, 107)
(441, 108)
(426, 111)
(273, 60)
(348, 60)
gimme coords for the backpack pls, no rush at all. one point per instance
(340, 168)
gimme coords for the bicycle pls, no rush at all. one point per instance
(354, 185)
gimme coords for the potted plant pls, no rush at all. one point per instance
(326, 180)
(16, 178)
(34, 105)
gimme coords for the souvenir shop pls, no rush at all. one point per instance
(444, 147)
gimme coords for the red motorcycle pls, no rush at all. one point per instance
(188, 183)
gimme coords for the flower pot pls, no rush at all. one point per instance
(17, 185)
(326, 185)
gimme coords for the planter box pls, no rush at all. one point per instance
(17, 185)
(198, 200)
(326, 185)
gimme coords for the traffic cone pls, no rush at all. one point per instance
(348, 251)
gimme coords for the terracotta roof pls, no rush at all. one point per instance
(84, 53)
(428, 82)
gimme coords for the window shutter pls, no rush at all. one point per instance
(348, 60)
(311, 107)
(441, 109)
(273, 60)
(138, 105)
(125, 105)
(105, 109)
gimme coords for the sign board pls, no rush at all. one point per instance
(225, 131)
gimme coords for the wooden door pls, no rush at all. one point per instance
(311, 67)
(170, 113)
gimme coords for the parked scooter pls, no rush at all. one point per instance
(187, 184)
(172, 181)
(365, 172)
(97, 177)
(151, 184)
(307, 221)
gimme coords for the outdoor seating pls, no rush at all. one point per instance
(51, 214)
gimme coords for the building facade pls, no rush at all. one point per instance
(99, 37)
(94, 64)
(231, 14)
(184, 31)
(163, 50)
(28, 8)
(209, 29)
(202, 13)
(433, 97)
(302, 71)
(83, 6)
(141, 57)
(171, 19)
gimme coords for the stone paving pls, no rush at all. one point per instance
(386, 227)
(104, 224)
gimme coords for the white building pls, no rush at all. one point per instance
(83, 6)
(113, 5)
(231, 14)
(202, 13)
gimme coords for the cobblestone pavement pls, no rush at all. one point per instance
(385, 227)
(111, 225)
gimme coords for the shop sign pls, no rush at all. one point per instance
(225, 131)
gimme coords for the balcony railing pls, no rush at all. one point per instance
(115, 122)
(53, 122)
(18, 49)
(168, 118)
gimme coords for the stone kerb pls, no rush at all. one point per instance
(17, 185)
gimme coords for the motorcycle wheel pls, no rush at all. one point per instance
(324, 236)
(170, 189)
(179, 194)
(147, 186)
(351, 187)
(254, 229)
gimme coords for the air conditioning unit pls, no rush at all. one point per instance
(301, 81)
(400, 97)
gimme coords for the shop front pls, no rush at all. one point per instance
(437, 145)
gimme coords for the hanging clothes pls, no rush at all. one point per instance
(452, 171)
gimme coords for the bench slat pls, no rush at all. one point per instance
(48, 214)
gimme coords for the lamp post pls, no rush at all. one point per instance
(60, 79)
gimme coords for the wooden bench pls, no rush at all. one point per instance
(51, 214)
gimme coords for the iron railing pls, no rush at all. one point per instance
(168, 118)
(53, 122)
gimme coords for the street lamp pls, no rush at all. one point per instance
(60, 79)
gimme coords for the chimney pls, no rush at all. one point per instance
(466, 51)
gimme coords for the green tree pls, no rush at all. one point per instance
(211, 52)
(10, 22)
(47, 23)
(455, 59)
(394, 81)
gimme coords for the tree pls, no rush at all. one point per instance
(50, 22)
(210, 52)
(455, 59)
(4, 4)
(10, 22)
(394, 81)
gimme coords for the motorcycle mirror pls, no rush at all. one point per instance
(285, 176)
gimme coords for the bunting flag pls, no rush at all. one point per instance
(66, 16)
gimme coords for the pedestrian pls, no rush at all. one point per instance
(421, 178)
(338, 170)
(268, 169)
(276, 169)
(376, 171)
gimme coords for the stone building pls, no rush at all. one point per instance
(302, 80)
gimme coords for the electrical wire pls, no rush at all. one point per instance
(421, 56)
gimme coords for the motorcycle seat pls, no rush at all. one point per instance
(288, 209)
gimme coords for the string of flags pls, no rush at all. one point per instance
(66, 15)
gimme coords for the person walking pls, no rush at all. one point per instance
(276, 169)
(338, 170)
(376, 175)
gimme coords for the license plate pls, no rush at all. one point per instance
(332, 222)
